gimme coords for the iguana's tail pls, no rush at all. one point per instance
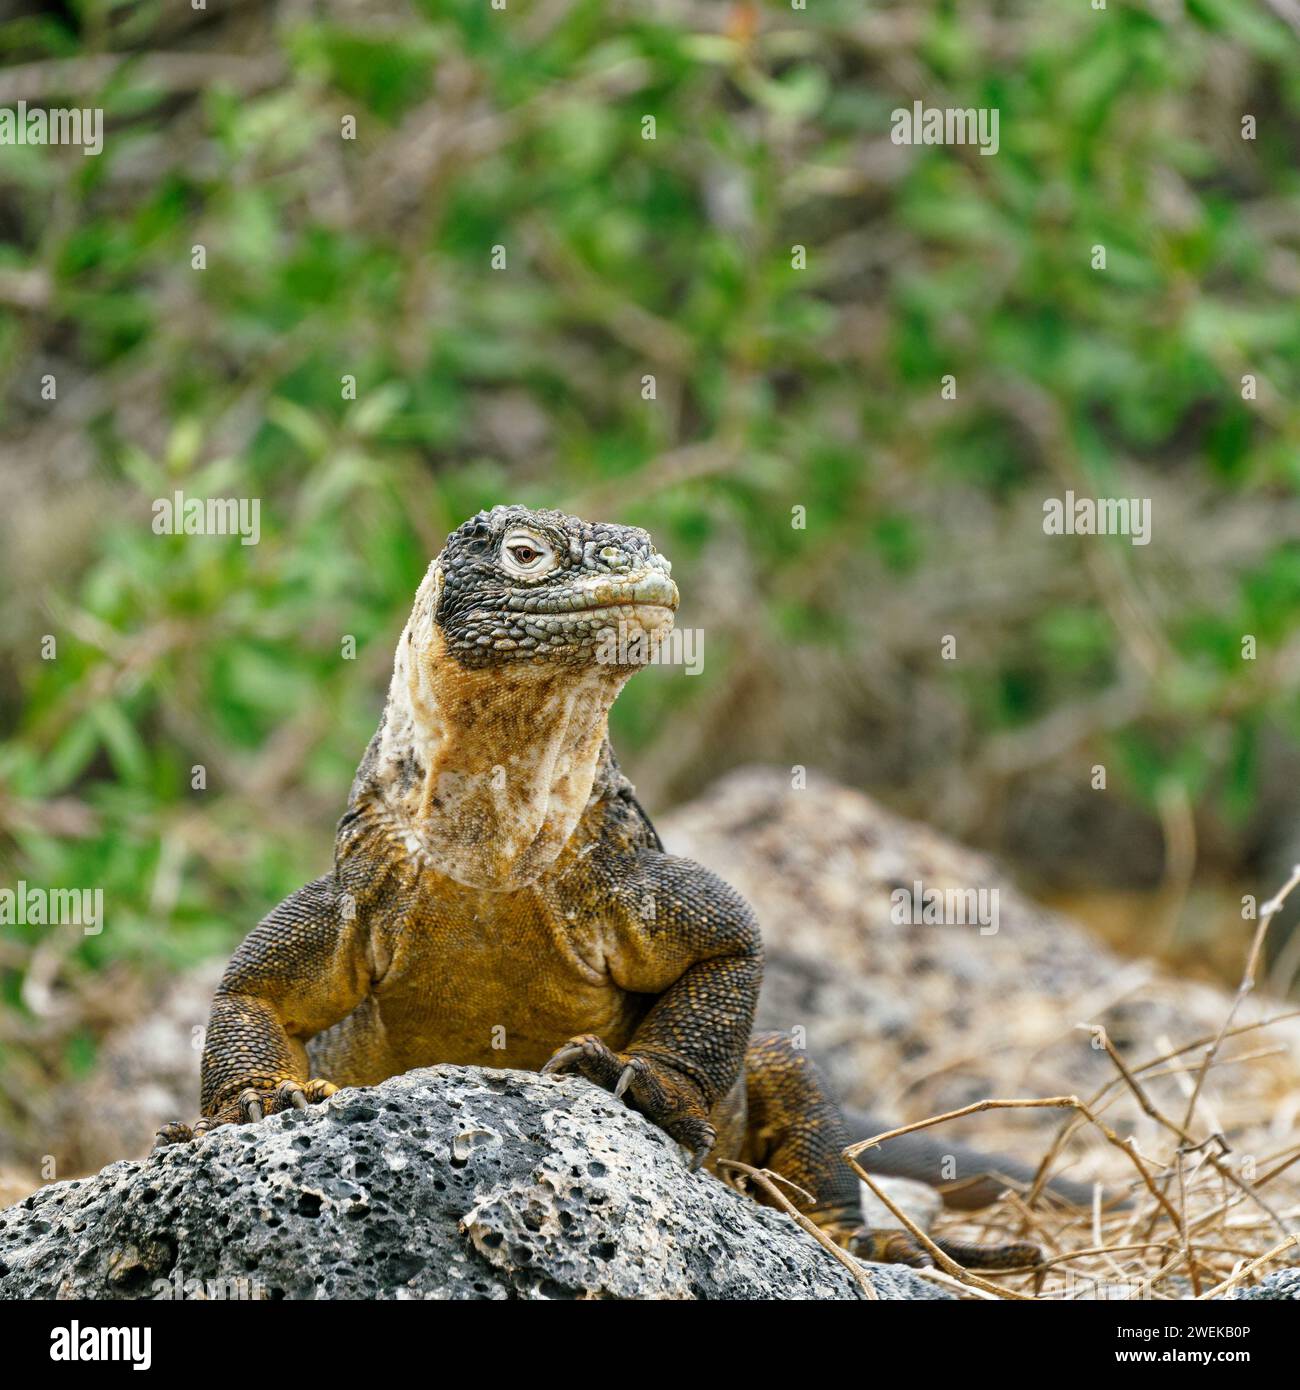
(964, 1177)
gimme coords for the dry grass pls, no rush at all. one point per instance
(1201, 1216)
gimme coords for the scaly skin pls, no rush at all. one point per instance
(499, 898)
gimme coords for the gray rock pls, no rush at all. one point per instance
(1282, 1284)
(451, 1182)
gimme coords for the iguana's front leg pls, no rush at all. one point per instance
(695, 944)
(302, 969)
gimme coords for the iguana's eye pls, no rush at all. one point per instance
(526, 555)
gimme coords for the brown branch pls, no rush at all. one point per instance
(1052, 1102)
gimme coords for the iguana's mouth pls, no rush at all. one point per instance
(647, 591)
(619, 603)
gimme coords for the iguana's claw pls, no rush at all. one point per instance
(592, 1058)
(700, 1154)
(570, 1052)
(176, 1132)
(653, 1086)
(249, 1106)
(293, 1093)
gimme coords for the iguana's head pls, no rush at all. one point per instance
(523, 632)
(540, 588)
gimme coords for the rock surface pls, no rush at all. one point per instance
(451, 1182)
(1283, 1284)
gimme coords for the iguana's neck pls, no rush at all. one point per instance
(486, 772)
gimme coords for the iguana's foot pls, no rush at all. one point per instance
(902, 1248)
(892, 1247)
(888, 1247)
(251, 1104)
(658, 1090)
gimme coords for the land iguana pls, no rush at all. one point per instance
(499, 897)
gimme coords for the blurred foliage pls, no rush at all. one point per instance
(776, 388)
